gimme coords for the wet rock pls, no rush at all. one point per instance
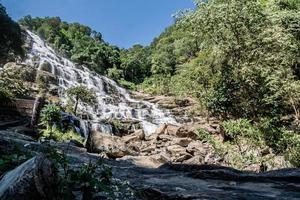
(43, 76)
(46, 66)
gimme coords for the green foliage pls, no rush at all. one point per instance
(10, 38)
(12, 159)
(81, 93)
(91, 178)
(115, 73)
(58, 135)
(11, 88)
(51, 120)
(157, 84)
(235, 130)
(135, 63)
(75, 41)
(14, 79)
(50, 116)
(239, 154)
(127, 84)
(238, 58)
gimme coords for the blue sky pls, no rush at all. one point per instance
(121, 22)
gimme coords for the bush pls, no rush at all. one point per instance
(157, 84)
(235, 130)
(12, 88)
(128, 85)
(56, 134)
(50, 116)
(289, 143)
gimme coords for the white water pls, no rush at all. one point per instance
(113, 101)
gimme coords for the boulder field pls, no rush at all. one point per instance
(146, 174)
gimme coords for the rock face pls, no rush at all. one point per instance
(33, 180)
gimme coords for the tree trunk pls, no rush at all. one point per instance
(38, 104)
(76, 105)
(33, 180)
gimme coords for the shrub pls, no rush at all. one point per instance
(290, 144)
(56, 134)
(242, 128)
(50, 116)
(46, 66)
(12, 87)
(126, 84)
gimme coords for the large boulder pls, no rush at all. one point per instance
(136, 136)
(33, 180)
(46, 77)
(111, 145)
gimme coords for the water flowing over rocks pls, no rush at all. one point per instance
(113, 102)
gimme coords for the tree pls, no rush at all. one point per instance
(10, 38)
(81, 93)
(50, 115)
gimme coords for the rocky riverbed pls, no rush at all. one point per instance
(147, 176)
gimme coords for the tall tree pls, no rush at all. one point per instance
(81, 93)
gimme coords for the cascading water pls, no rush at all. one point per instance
(113, 101)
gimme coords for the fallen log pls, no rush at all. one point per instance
(36, 179)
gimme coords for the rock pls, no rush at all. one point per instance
(33, 180)
(46, 66)
(184, 142)
(160, 130)
(197, 148)
(165, 137)
(150, 148)
(172, 129)
(113, 146)
(190, 133)
(176, 150)
(43, 76)
(196, 160)
(143, 161)
(76, 143)
(134, 148)
(136, 136)
(164, 157)
(183, 158)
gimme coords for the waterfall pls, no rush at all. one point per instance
(112, 101)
